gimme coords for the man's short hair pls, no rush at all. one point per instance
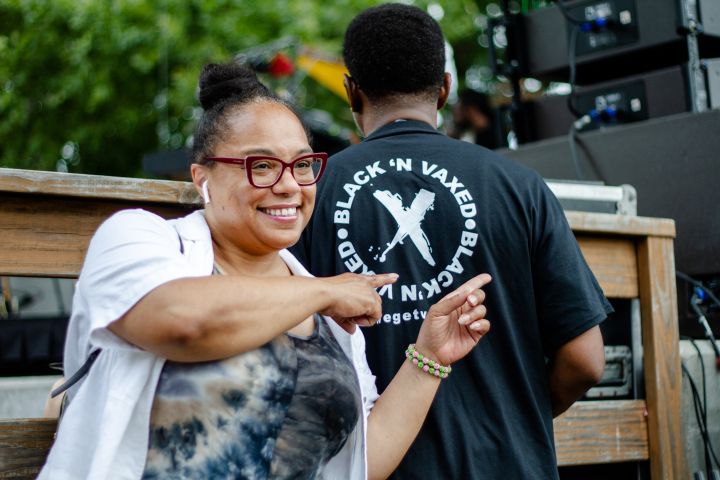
(395, 49)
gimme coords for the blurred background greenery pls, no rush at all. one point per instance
(93, 85)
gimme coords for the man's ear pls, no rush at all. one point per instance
(353, 93)
(444, 90)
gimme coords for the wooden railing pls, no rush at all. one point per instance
(47, 220)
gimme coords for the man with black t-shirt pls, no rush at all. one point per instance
(438, 211)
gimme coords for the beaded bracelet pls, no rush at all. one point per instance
(425, 364)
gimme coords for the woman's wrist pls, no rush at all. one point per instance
(428, 351)
(426, 362)
(324, 292)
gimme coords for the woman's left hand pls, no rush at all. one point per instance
(455, 324)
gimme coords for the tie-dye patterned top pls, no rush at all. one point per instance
(281, 411)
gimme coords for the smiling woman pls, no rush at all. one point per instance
(254, 207)
(220, 356)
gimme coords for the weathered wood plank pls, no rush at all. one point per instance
(24, 445)
(605, 223)
(95, 186)
(165, 191)
(607, 431)
(613, 260)
(589, 432)
(658, 310)
(47, 236)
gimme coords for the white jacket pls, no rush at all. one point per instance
(104, 431)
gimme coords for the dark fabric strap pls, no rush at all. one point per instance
(182, 245)
(78, 375)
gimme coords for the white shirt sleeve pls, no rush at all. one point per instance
(132, 253)
(365, 376)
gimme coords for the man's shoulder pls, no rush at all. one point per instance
(441, 149)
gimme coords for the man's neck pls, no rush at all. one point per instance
(375, 117)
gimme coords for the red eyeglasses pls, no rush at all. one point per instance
(265, 171)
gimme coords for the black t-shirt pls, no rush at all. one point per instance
(438, 211)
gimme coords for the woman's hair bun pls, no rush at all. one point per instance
(222, 82)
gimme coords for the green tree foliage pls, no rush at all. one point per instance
(92, 85)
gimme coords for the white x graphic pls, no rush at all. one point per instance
(408, 220)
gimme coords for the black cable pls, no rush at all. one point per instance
(572, 139)
(698, 417)
(563, 9)
(702, 367)
(698, 284)
(572, 134)
(708, 465)
(583, 119)
(572, 44)
(706, 438)
(698, 407)
(708, 462)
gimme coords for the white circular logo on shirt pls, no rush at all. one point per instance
(410, 219)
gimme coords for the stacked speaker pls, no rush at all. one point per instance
(644, 110)
(627, 61)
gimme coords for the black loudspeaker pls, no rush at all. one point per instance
(632, 99)
(634, 36)
(674, 164)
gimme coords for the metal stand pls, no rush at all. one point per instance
(691, 27)
(511, 67)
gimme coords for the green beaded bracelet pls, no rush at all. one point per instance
(425, 364)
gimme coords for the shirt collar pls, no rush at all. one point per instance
(193, 227)
(398, 128)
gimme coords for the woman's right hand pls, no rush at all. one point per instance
(354, 300)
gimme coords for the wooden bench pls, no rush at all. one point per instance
(47, 220)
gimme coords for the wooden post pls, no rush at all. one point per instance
(663, 382)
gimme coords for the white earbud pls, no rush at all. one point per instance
(205, 194)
